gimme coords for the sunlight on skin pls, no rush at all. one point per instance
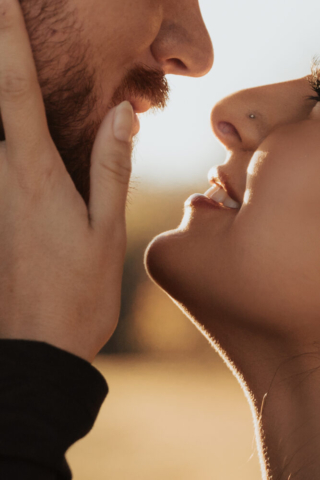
(252, 171)
(256, 161)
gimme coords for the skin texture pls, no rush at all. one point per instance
(84, 52)
(249, 277)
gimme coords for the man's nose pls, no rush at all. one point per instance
(183, 45)
(242, 120)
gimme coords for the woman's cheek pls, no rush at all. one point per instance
(278, 226)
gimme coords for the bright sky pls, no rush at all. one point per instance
(256, 42)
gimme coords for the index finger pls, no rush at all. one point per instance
(21, 103)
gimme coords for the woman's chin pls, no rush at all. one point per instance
(172, 263)
(160, 260)
(167, 262)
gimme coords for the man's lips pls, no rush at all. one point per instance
(140, 105)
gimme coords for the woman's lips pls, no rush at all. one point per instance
(222, 180)
(215, 197)
(197, 199)
(220, 195)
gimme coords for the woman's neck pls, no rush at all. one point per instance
(285, 401)
(279, 371)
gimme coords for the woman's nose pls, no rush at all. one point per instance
(244, 119)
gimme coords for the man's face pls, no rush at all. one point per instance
(90, 56)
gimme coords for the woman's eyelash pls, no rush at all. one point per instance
(314, 78)
(315, 85)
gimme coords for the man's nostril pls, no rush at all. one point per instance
(178, 64)
(227, 130)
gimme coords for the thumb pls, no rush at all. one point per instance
(111, 167)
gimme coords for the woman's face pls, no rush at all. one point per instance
(258, 261)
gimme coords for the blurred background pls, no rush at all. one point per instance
(174, 410)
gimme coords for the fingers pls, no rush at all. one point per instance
(21, 103)
(111, 168)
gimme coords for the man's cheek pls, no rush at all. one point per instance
(121, 26)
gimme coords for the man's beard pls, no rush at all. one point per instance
(70, 94)
(69, 106)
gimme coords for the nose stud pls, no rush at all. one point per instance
(252, 115)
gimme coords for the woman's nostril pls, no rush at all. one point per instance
(227, 129)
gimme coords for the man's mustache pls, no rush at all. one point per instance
(143, 82)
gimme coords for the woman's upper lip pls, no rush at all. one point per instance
(221, 181)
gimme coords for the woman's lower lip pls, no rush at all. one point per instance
(197, 200)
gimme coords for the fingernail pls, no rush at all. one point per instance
(123, 122)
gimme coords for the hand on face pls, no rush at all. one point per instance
(61, 262)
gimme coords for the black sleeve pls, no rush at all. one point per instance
(49, 399)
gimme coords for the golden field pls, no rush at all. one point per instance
(184, 418)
